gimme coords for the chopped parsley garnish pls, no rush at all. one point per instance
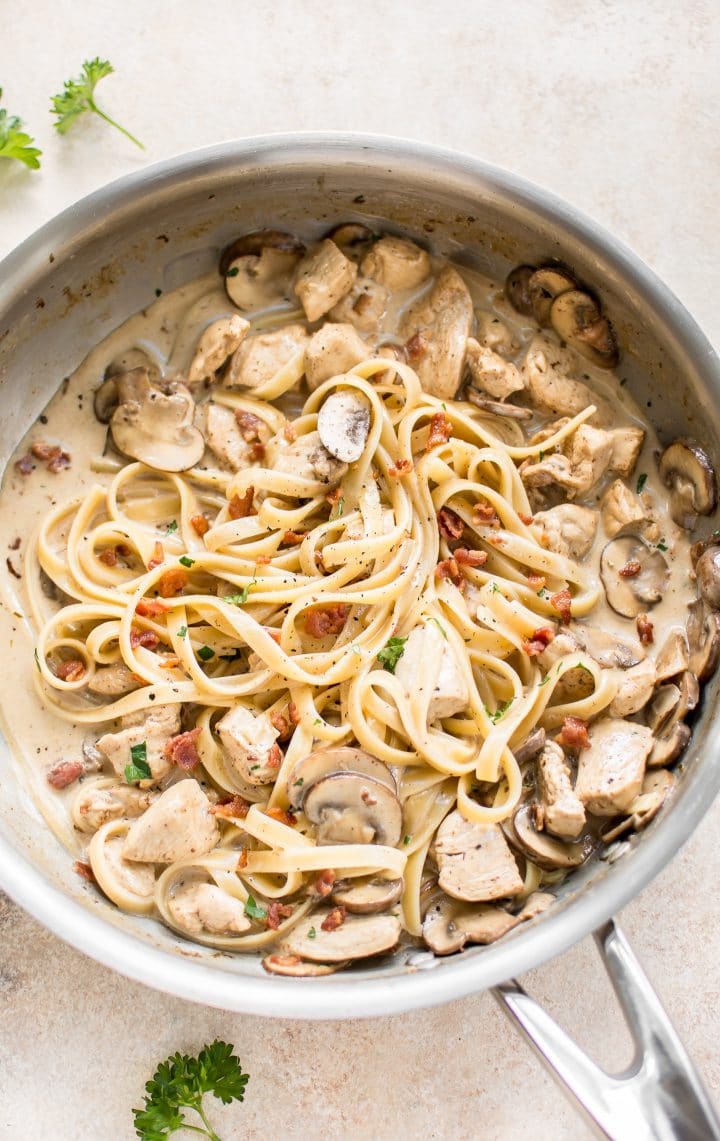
(139, 769)
(391, 653)
(439, 626)
(642, 480)
(662, 545)
(501, 709)
(339, 509)
(205, 653)
(544, 681)
(186, 562)
(407, 840)
(317, 721)
(182, 632)
(312, 933)
(299, 782)
(171, 527)
(180, 1083)
(253, 910)
(233, 271)
(541, 456)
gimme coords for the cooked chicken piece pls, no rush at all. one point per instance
(546, 370)
(307, 457)
(563, 813)
(224, 438)
(491, 372)
(217, 343)
(626, 444)
(563, 643)
(576, 470)
(198, 907)
(113, 681)
(621, 508)
(322, 278)
(428, 665)
(333, 350)
(474, 860)
(611, 771)
(495, 335)
(567, 529)
(177, 826)
(154, 728)
(673, 657)
(98, 805)
(396, 264)
(249, 742)
(262, 355)
(443, 318)
(364, 306)
(635, 690)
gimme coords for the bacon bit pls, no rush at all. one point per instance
(150, 607)
(140, 680)
(400, 468)
(182, 751)
(334, 497)
(84, 870)
(645, 629)
(630, 569)
(283, 815)
(170, 662)
(440, 431)
(328, 619)
(25, 464)
(450, 525)
(574, 734)
(235, 806)
(147, 638)
(540, 639)
(561, 602)
(526, 519)
(65, 773)
(11, 568)
(293, 713)
(263, 560)
(536, 581)
(249, 424)
(70, 670)
(277, 912)
(416, 347)
(158, 556)
(290, 433)
(467, 558)
(334, 919)
(15, 545)
(274, 757)
(54, 458)
(257, 452)
(243, 859)
(484, 514)
(283, 960)
(324, 885)
(200, 525)
(172, 582)
(291, 538)
(448, 568)
(241, 506)
(280, 722)
(276, 635)
(108, 556)
(59, 461)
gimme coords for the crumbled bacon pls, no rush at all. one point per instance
(25, 464)
(276, 913)
(234, 806)
(263, 560)
(200, 525)
(561, 602)
(526, 519)
(58, 462)
(276, 635)
(169, 662)
(324, 884)
(334, 497)
(182, 750)
(108, 556)
(274, 757)
(290, 433)
(65, 773)
(70, 670)
(467, 558)
(172, 582)
(400, 468)
(450, 525)
(416, 347)
(249, 424)
(484, 514)
(630, 569)
(82, 869)
(284, 721)
(334, 919)
(150, 607)
(440, 431)
(539, 640)
(574, 733)
(282, 961)
(645, 629)
(291, 538)
(242, 859)
(448, 568)
(146, 638)
(536, 581)
(293, 713)
(241, 506)
(257, 452)
(158, 556)
(283, 815)
(327, 619)
(54, 458)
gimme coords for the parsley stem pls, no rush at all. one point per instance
(93, 105)
(210, 1131)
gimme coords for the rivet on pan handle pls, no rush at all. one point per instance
(660, 1096)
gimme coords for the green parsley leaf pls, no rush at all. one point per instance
(171, 527)
(317, 721)
(339, 509)
(662, 545)
(494, 588)
(391, 653)
(642, 480)
(158, 292)
(253, 910)
(139, 769)
(16, 143)
(407, 840)
(242, 596)
(182, 632)
(501, 709)
(439, 626)
(233, 271)
(78, 96)
(544, 681)
(299, 782)
(312, 933)
(180, 1082)
(205, 653)
(186, 562)
(623, 382)
(541, 456)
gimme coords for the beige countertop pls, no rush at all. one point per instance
(612, 105)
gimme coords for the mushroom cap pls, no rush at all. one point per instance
(517, 289)
(449, 924)
(321, 762)
(544, 285)
(496, 407)
(343, 425)
(577, 319)
(667, 749)
(703, 633)
(688, 473)
(530, 746)
(155, 426)
(367, 896)
(254, 243)
(255, 281)
(353, 238)
(632, 594)
(296, 968)
(351, 808)
(707, 570)
(544, 850)
(358, 937)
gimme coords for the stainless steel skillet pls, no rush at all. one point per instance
(82, 274)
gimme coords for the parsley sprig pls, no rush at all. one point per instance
(15, 142)
(391, 653)
(78, 97)
(180, 1082)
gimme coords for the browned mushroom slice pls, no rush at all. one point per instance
(517, 289)
(252, 245)
(529, 747)
(155, 425)
(633, 574)
(673, 656)
(320, 763)
(577, 319)
(343, 425)
(688, 473)
(357, 937)
(449, 925)
(703, 633)
(439, 932)
(535, 904)
(664, 716)
(546, 851)
(353, 238)
(105, 400)
(496, 407)
(544, 285)
(367, 896)
(292, 966)
(351, 808)
(707, 570)
(654, 793)
(668, 748)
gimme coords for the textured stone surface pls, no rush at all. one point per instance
(613, 106)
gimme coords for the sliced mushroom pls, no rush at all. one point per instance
(688, 473)
(216, 344)
(292, 966)
(535, 904)
(667, 749)
(351, 808)
(439, 932)
(517, 289)
(156, 426)
(530, 747)
(577, 319)
(665, 717)
(703, 633)
(544, 850)
(254, 243)
(707, 570)
(257, 267)
(322, 762)
(448, 925)
(496, 407)
(655, 790)
(367, 896)
(353, 238)
(358, 937)
(634, 575)
(343, 425)
(105, 400)
(673, 657)
(544, 285)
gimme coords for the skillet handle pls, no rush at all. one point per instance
(660, 1096)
